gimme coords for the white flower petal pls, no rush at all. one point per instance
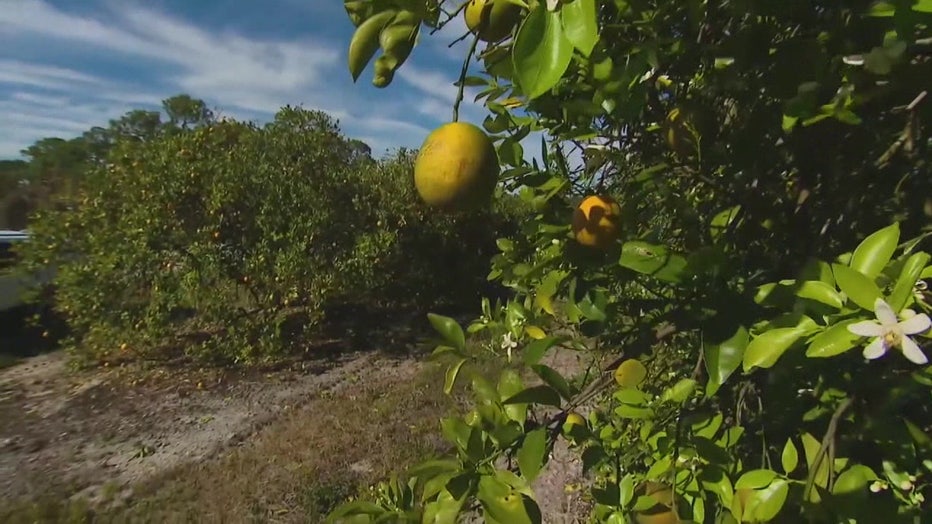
(875, 349)
(907, 313)
(884, 313)
(913, 353)
(916, 324)
(867, 328)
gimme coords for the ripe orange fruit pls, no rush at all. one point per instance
(456, 167)
(492, 20)
(596, 221)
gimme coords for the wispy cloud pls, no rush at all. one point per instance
(101, 58)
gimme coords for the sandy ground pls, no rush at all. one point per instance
(98, 434)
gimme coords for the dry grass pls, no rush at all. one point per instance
(297, 468)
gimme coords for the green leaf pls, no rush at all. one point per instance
(544, 395)
(860, 289)
(714, 480)
(501, 502)
(581, 25)
(445, 509)
(356, 507)
(679, 392)
(451, 332)
(626, 411)
(789, 459)
(756, 479)
(451, 374)
(820, 292)
(854, 479)
(905, 283)
(768, 347)
(722, 220)
(532, 453)
(652, 260)
(509, 385)
(874, 252)
(541, 52)
(833, 341)
(553, 379)
(533, 352)
(721, 360)
(768, 502)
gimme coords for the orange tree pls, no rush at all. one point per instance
(761, 305)
(232, 242)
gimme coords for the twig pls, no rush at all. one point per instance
(462, 81)
(827, 441)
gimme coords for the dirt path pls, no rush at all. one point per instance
(97, 436)
(96, 433)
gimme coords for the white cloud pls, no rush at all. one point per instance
(243, 76)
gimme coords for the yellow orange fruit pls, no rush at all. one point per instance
(491, 20)
(662, 512)
(456, 167)
(596, 221)
(680, 133)
(575, 418)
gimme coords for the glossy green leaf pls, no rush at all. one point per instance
(714, 480)
(449, 329)
(906, 281)
(721, 360)
(445, 509)
(755, 479)
(833, 341)
(554, 379)
(544, 395)
(789, 459)
(541, 52)
(854, 479)
(860, 289)
(765, 349)
(875, 251)
(509, 385)
(820, 292)
(450, 376)
(720, 222)
(766, 503)
(501, 502)
(653, 260)
(533, 352)
(532, 453)
(679, 392)
(581, 25)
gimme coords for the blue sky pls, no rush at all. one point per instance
(67, 65)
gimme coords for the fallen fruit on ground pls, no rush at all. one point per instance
(456, 167)
(491, 20)
(596, 221)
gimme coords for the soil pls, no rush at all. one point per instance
(98, 434)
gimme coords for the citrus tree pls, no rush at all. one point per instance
(233, 242)
(730, 216)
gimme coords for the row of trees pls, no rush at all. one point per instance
(232, 241)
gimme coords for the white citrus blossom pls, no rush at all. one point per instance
(892, 333)
(509, 344)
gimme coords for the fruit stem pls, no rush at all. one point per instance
(462, 80)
